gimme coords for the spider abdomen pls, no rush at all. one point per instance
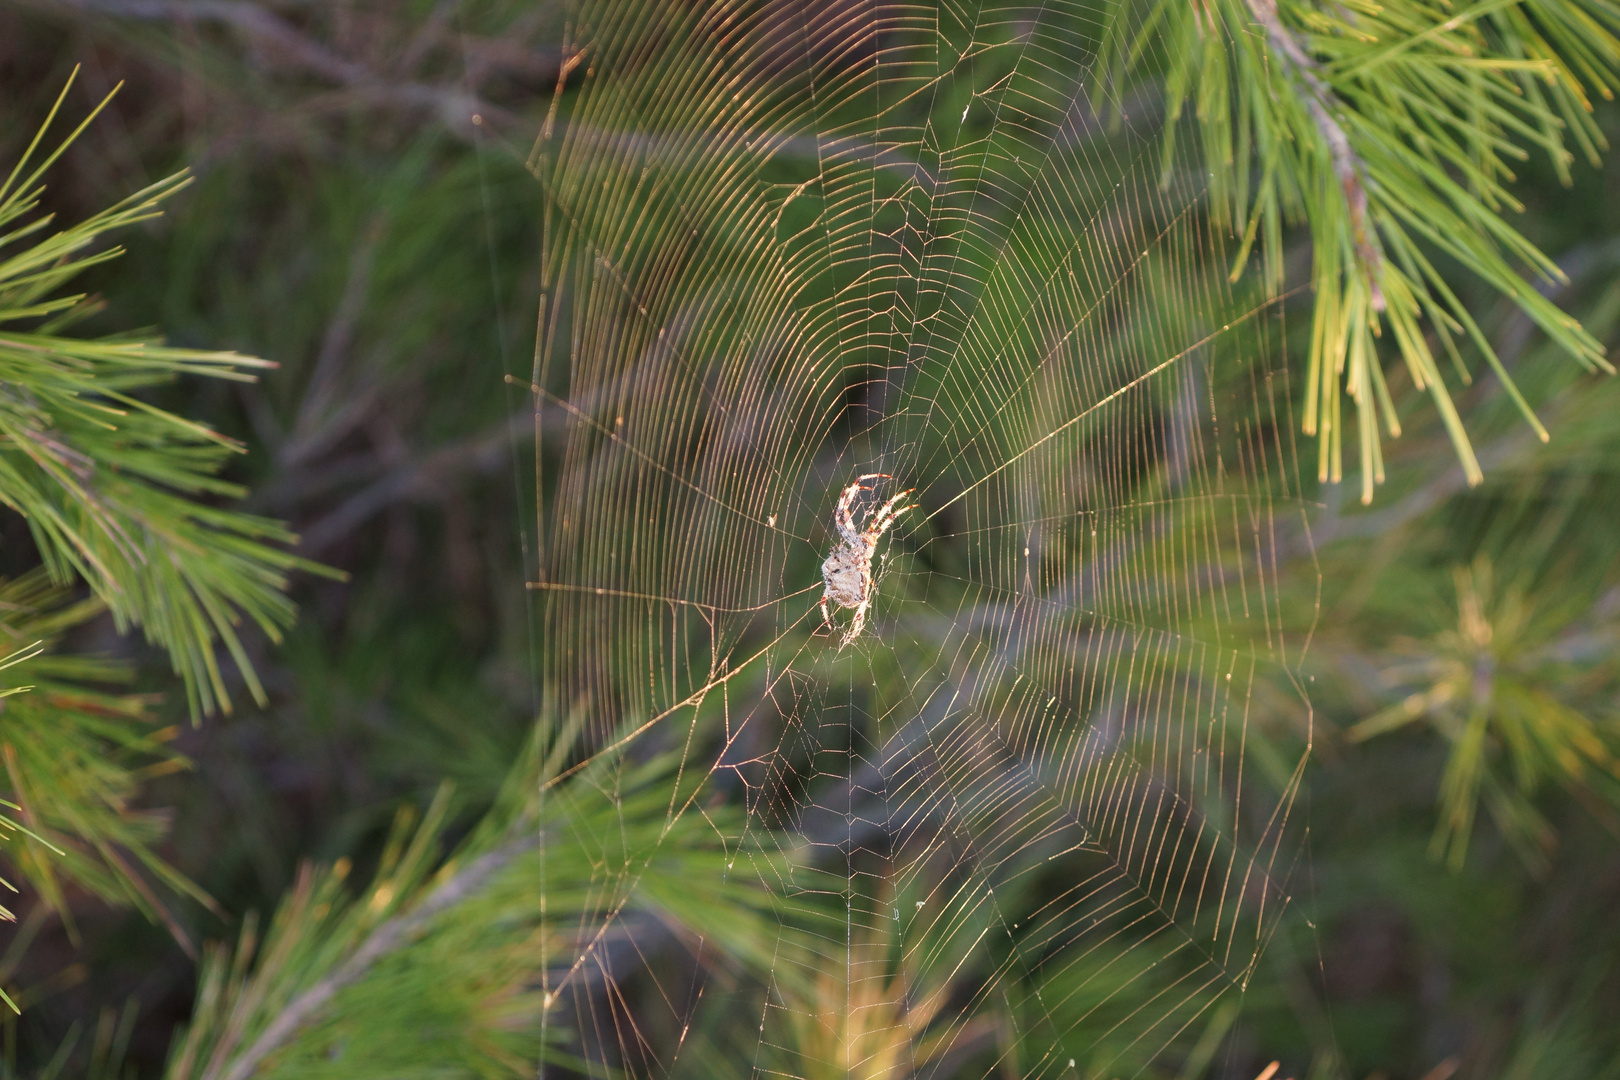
(842, 573)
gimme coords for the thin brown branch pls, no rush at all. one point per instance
(247, 18)
(479, 454)
(455, 105)
(321, 390)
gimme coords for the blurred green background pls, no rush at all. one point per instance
(348, 223)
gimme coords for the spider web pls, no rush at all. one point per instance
(1012, 829)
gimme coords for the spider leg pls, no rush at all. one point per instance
(858, 623)
(842, 516)
(826, 616)
(884, 519)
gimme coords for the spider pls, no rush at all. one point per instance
(847, 572)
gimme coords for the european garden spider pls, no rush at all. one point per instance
(847, 573)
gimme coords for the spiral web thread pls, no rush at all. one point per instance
(1013, 829)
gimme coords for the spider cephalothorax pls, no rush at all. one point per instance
(847, 572)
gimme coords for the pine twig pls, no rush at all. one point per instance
(1319, 102)
(390, 936)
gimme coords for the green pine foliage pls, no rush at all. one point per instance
(116, 494)
(1499, 684)
(1390, 130)
(114, 488)
(448, 945)
(76, 755)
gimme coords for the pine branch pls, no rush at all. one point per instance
(73, 755)
(1387, 128)
(467, 943)
(387, 938)
(117, 494)
(111, 486)
(1319, 99)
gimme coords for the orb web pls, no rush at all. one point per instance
(1013, 828)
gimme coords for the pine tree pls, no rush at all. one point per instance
(1384, 135)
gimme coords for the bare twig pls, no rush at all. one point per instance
(478, 454)
(455, 105)
(248, 18)
(428, 35)
(335, 346)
